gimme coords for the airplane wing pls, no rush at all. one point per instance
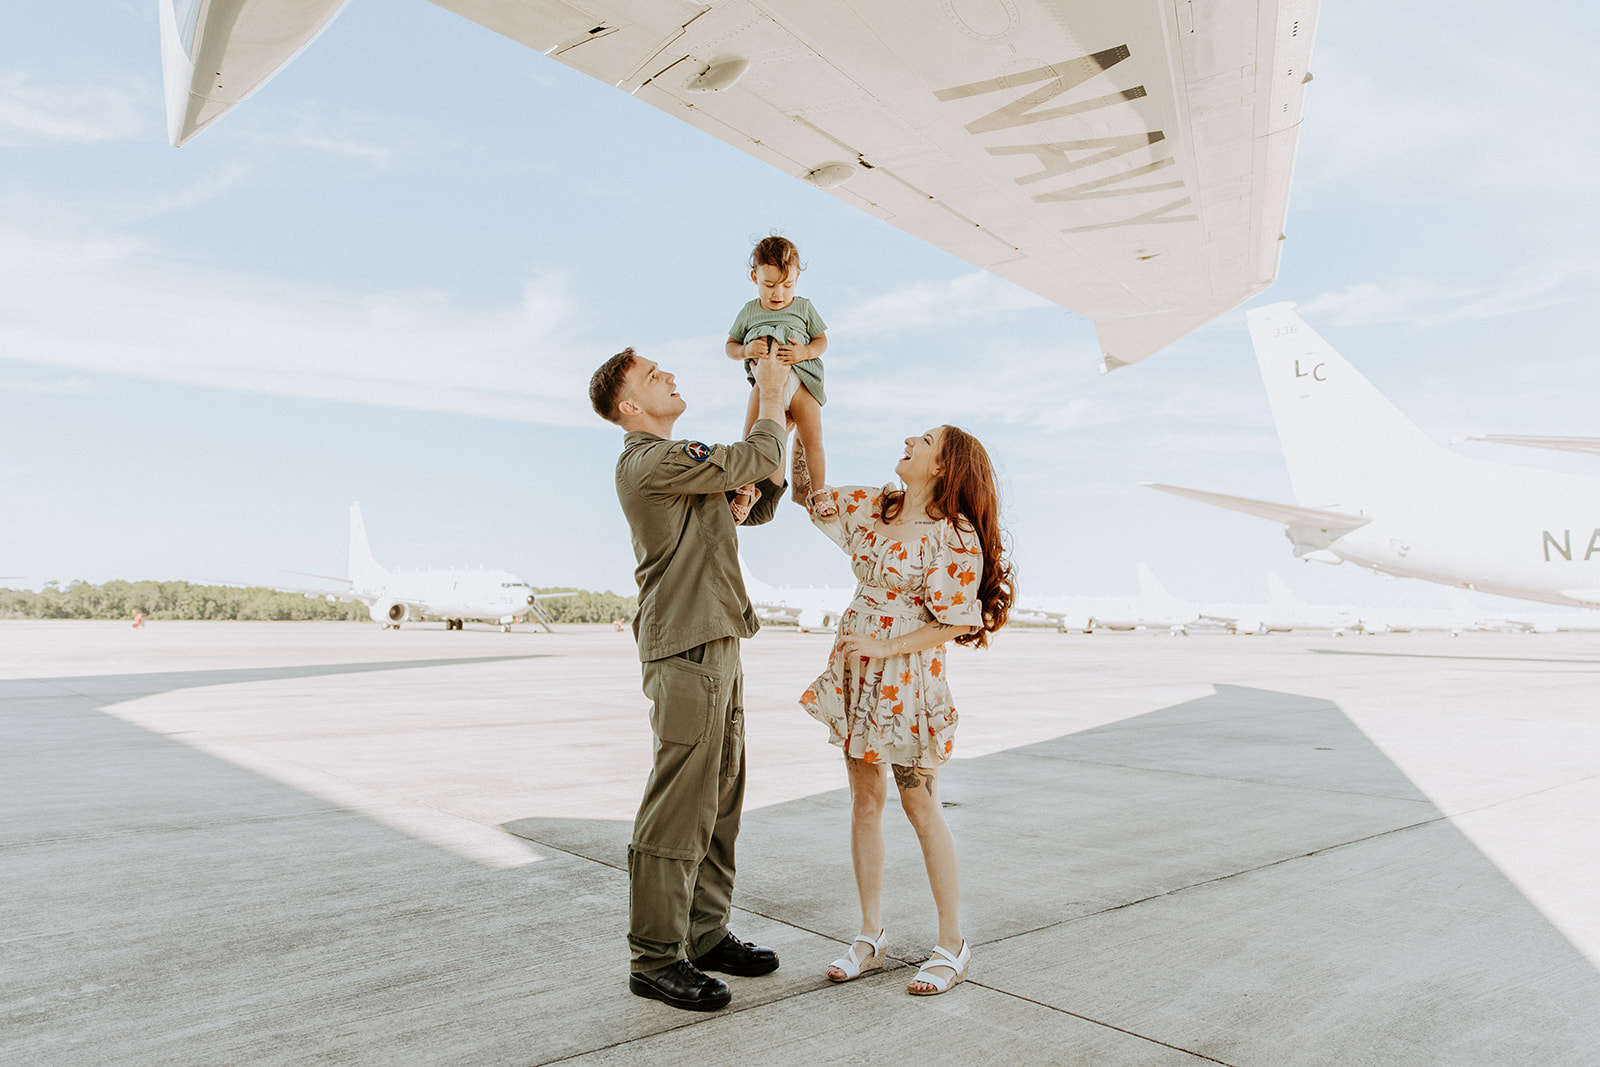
(1288, 514)
(327, 594)
(1590, 445)
(1129, 161)
(325, 577)
(309, 592)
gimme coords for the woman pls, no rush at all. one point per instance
(931, 568)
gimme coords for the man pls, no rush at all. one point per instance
(692, 613)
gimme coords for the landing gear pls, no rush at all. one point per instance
(505, 627)
(453, 624)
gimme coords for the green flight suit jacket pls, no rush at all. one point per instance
(674, 494)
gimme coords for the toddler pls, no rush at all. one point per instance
(786, 327)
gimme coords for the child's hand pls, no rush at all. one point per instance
(760, 348)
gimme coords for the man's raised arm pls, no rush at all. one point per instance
(770, 376)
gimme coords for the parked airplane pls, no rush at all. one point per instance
(1153, 609)
(1157, 609)
(395, 597)
(810, 608)
(1373, 489)
(1129, 161)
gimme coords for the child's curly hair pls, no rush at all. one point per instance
(775, 251)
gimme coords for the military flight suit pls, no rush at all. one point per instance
(692, 612)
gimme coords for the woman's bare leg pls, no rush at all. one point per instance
(868, 793)
(807, 415)
(799, 477)
(919, 797)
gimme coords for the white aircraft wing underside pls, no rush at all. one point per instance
(217, 53)
(1129, 161)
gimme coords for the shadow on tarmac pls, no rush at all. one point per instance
(1242, 879)
(115, 688)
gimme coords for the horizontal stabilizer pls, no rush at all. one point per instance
(324, 577)
(1591, 445)
(1288, 514)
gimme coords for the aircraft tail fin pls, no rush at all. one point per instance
(1346, 446)
(754, 588)
(363, 568)
(1149, 586)
(1282, 595)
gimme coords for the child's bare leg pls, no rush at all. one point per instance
(751, 410)
(807, 415)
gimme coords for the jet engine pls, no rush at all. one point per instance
(390, 613)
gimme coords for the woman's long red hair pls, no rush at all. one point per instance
(964, 491)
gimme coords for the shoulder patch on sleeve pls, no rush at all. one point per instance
(697, 451)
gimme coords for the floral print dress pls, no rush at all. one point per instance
(896, 710)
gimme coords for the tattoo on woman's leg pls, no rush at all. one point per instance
(799, 475)
(908, 778)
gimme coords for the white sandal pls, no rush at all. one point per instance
(853, 966)
(941, 958)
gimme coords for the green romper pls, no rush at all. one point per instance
(799, 322)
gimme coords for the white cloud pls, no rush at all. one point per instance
(1422, 302)
(32, 111)
(348, 137)
(74, 386)
(114, 308)
(924, 305)
(1178, 443)
(1430, 110)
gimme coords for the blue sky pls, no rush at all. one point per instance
(388, 276)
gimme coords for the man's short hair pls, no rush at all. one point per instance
(605, 388)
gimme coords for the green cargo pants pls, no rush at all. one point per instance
(680, 864)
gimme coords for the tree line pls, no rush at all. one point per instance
(185, 600)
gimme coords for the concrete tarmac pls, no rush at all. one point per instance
(320, 843)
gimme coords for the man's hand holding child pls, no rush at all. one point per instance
(792, 352)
